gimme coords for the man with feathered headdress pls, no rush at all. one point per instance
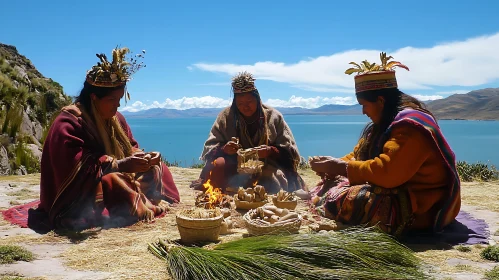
(249, 124)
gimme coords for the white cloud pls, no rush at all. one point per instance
(215, 102)
(196, 102)
(135, 107)
(427, 97)
(312, 102)
(471, 62)
(180, 104)
(459, 91)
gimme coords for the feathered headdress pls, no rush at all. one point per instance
(117, 72)
(372, 76)
(243, 82)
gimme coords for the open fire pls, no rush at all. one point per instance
(212, 197)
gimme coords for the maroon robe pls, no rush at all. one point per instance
(77, 182)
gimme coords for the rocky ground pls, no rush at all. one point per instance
(121, 253)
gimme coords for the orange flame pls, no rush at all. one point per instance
(214, 194)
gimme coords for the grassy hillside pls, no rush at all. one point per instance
(28, 102)
(480, 104)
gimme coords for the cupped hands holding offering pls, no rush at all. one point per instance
(139, 162)
(133, 164)
(154, 158)
(328, 166)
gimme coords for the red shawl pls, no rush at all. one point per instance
(73, 164)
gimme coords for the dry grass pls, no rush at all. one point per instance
(481, 194)
(439, 258)
(123, 251)
(309, 176)
(24, 194)
(14, 277)
(49, 238)
(127, 256)
(31, 179)
(4, 222)
(17, 276)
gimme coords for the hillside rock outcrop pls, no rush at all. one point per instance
(28, 102)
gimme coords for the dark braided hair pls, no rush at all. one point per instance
(395, 101)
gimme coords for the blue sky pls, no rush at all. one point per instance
(297, 50)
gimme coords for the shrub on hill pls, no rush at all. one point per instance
(476, 172)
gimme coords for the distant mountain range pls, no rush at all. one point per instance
(480, 104)
(212, 112)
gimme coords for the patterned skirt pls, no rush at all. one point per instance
(389, 209)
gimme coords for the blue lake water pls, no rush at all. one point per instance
(182, 139)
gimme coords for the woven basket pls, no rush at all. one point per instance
(244, 156)
(288, 204)
(199, 230)
(257, 227)
(241, 204)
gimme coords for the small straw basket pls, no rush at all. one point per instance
(258, 227)
(194, 230)
(248, 161)
(288, 204)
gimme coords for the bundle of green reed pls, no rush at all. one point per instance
(356, 253)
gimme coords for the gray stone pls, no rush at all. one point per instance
(37, 130)
(26, 125)
(4, 161)
(22, 72)
(35, 150)
(32, 128)
(21, 171)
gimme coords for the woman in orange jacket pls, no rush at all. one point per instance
(401, 175)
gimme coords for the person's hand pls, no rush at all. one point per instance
(231, 147)
(139, 153)
(319, 158)
(155, 158)
(330, 166)
(264, 151)
(133, 164)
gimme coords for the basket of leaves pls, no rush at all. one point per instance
(270, 219)
(199, 225)
(248, 161)
(250, 198)
(284, 199)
